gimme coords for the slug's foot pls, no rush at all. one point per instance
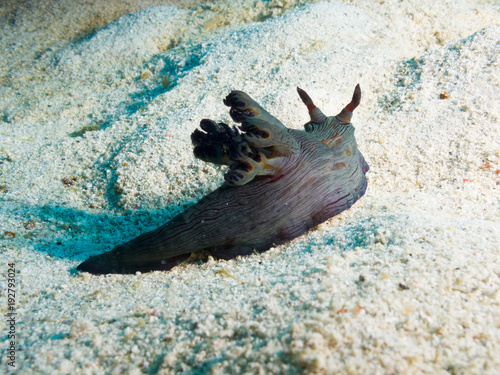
(364, 165)
(230, 252)
(112, 262)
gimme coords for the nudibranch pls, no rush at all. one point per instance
(281, 182)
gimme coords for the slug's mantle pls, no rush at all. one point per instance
(281, 182)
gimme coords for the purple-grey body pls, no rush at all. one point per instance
(281, 182)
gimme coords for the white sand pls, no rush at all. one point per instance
(407, 281)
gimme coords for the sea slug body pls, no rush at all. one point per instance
(281, 182)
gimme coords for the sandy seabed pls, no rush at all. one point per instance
(96, 112)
